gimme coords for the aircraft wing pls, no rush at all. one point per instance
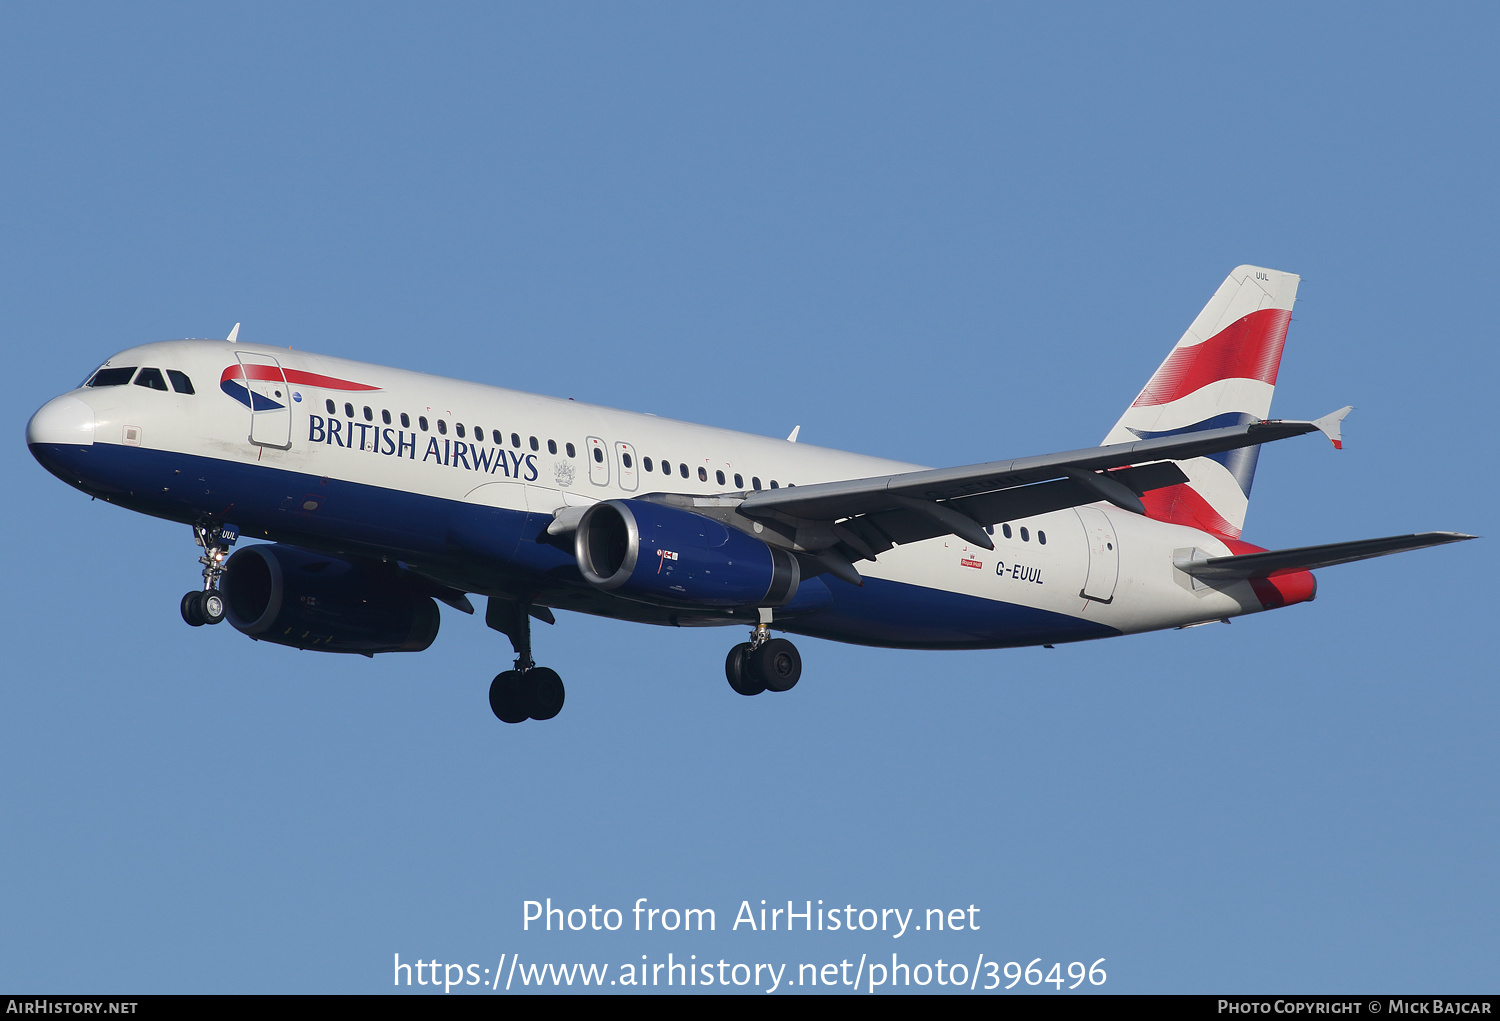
(840, 522)
(1304, 558)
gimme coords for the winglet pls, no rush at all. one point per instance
(1329, 425)
(793, 437)
(234, 334)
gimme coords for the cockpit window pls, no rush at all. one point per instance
(151, 378)
(112, 377)
(180, 381)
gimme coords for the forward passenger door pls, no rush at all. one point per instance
(270, 400)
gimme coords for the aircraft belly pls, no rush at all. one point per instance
(480, 547)
(900, 615)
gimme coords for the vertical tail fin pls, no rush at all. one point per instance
(1222, 372)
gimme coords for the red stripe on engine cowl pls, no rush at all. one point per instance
(1250, 348)
(271, 373)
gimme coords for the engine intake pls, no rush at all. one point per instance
(294, 597)
(663, 555)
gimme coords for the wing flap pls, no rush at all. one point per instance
(904, 525)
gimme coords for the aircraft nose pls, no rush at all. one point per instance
(63, 420)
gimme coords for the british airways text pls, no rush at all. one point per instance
(394, 442)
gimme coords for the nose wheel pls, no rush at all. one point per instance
(206, 605)
(763, 663)
(199, 608)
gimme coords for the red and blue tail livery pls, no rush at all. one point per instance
(1221, 373)
(362, 497)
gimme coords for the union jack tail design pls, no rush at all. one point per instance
(1221, 373)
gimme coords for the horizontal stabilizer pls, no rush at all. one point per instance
(1306, 558)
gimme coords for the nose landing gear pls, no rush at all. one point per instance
(206, 606)
(763, 663)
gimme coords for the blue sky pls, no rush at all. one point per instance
(943, 235)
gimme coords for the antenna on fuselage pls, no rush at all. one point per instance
(234, 334)
(793, 437)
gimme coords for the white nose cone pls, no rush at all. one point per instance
(64, 420)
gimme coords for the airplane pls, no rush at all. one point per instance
(384, 491)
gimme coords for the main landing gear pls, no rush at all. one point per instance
(763, 663)
(528, 692)
(207, 606)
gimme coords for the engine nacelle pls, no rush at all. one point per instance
(656, 554)
(293, 597)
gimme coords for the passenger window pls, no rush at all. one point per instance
(1006, 529)
(1025, 536)
(598, 455)
(442, 427)
(683, 469)
(1041, 537)
(498, 437)
(702, 474)
(755, 483)
(369, 415)
(989, 529)
(151, 378)
(774, 485)
(625, 459)
(720, 477)
(422, 421)
(349, 410)
(739, 481)
(112, 377)
(385, 416)
(646, 463)
(571, 452)
(551, 446)
(405, 420)
(666, 467)
(180, 381)
(332, 408)
(459, 428)
(534, 444)
(515, 439)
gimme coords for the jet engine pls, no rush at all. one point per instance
(657, 554)
(294, 597)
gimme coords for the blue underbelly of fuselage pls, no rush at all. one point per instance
(492, 550)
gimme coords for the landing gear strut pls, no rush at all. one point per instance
(763, 663)
(528, 692)
(206, 606)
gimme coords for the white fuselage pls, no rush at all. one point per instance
(471, 444)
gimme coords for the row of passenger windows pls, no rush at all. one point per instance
(665, 467)
(149, 378)
(152, 378)
(458, 429)
(1041, 536)
(479, 433)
